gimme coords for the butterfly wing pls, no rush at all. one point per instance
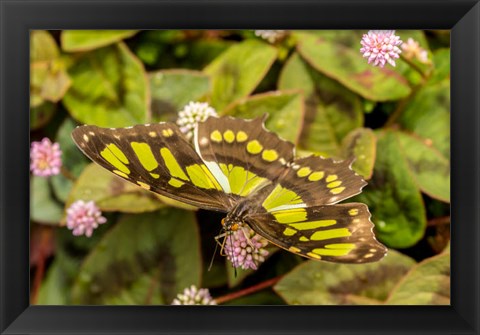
(156, 157)
(244, 152)
(337, 233)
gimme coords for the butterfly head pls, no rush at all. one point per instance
(231, 225)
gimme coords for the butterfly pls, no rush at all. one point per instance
(238, 167)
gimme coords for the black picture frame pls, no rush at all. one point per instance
(17, 17)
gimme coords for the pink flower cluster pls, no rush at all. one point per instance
(45, 158)
(380, 47)
(83, 217)
(245, 248)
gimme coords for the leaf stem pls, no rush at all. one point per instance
(439, 221)
(248, 290)
(415, 67)
(67, 174)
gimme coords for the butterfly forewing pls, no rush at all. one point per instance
(337, 233)
(156, 157)
(248, 155)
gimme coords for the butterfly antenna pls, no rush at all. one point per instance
(216, 248)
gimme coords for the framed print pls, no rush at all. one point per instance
(300, 167)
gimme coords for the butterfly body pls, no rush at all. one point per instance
(238, 167)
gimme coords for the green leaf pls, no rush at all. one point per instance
(331, 110)
(43, 207)
(428, 283)
(361, 144)
(84, 40)
(347, 66)
(54, 289)
(324, 283)
(73, 161)
(109, 88)
(42, 46)
(393, 196)
(173, 89)
(429, 167)
(72, 158)
(145, 259)
(48, 79)
(111, 193)
(441, 59)
(284, 109)
(238, 70)
(428, 116)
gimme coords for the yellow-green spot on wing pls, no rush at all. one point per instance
(335, 249)
(331, 178)
(242, 136)
(175, 182)
(281, 196)
(201, 177)
(337, 190)
(121, 174)
(316, 176)
(116, 158)
(334, 184)
(242, 182)
(340, 246)
(329, 234)
(269, 155)
(254, 147)
(172, 165)
(313, 224)
(145, 155)
(229, 136)
(290, 215)
(303, 172)
(216, 136)
(331, 252)
(289, 232)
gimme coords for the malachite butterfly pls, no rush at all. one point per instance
(238, 167)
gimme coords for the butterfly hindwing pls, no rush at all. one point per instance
(322, 181)
(338, 233)
(156, 157)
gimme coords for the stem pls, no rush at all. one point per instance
(248, 290)
(439, 221)
(401, 105)
(415, 67)
(40, 269)
(67, 174)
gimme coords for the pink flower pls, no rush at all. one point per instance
(45, 158)
(412, 49)
(245, 248)
(83, 217)
(193, 296)
(381, 46)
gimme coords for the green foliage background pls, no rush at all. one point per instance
(319, 93)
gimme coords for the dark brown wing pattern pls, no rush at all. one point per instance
(156, 157)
